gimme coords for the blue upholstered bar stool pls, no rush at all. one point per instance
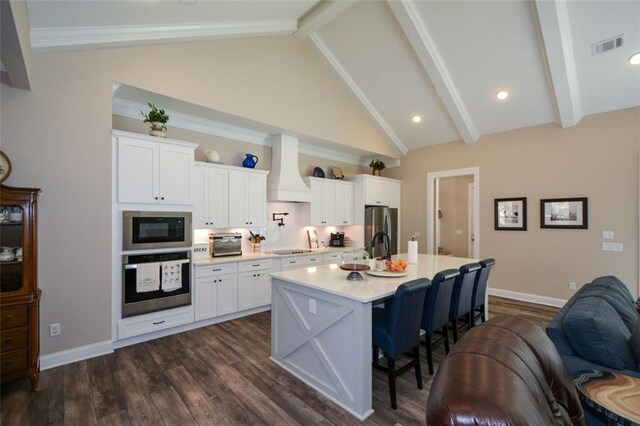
(461, 306)
(396, 330)
(480, 290)
(435, 315)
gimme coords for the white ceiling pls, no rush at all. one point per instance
(444, 60)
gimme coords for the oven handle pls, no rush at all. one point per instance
(135, 265)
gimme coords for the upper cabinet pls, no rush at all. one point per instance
(372, 190)
(210, 196)
(247, 198)
(331, 202)
(152, 171)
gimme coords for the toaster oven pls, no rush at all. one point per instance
(226, 244)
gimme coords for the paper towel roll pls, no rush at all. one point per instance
(412, 252)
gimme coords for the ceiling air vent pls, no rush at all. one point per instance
(606, 45)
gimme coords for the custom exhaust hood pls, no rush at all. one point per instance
(285, 183)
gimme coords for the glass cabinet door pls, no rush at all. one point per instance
(11, 245)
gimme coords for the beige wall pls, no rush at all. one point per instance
(455, 214)
(598, 159)
(59, 138)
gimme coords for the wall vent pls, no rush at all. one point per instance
(606, 45)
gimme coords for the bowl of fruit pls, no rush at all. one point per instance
(390, 268)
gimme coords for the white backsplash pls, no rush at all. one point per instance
(292, 235)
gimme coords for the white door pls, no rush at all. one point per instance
(328, 203)
(199, 196)
(227, 294)
(246, 290)
(217, 198)
(263, 288)
(471, 235)
(343, 204)
(256, 201)
(237, 200)
(206, 303)
(137, 171)
(175, 174)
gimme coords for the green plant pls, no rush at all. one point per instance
(377, 164)
(155, 115)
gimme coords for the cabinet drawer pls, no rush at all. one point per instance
(14, 361)
(16, 317)
(314, 260)
(328, 258)
(147, 324)
(14, 339)
(255, 266)
(216, 269)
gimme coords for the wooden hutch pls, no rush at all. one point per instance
(19, 293)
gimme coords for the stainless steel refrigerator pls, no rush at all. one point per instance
(381, 231)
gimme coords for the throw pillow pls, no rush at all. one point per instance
(598, 334)
(619, 302)
(637, 305)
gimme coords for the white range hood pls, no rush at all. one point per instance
(285, 183)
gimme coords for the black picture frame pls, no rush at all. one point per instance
(564, 213)
(510, 214)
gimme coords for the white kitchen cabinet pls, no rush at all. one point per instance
(254, 284)
(373, 191)
(298, 262)
(247, 198)
(331, 202)
(343, 203)
(210, 196)
(154, 172)
(216, 290)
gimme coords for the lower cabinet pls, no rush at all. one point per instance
(254, 284)
(216, 290)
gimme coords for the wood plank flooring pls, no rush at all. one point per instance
(217, 375)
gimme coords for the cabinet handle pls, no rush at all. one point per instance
(258, 274)
(158, 322)
(155, 198)
(7, 363)
(8, 318)
(216, 270)
(162, 198)
(312, 260)
(255, 265)
(293, 261)
(7, 341)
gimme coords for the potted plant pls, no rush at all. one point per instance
(157, 118)
(377, 165)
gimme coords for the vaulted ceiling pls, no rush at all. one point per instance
(442, 60)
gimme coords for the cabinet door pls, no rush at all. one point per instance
(315, 208)
(217, 198)
(205, 296)
(394, 189)
(257, 200)
(328, 203)
(137, 171)
(263, 289)
(227, 294)
(238, 191)
(374, 193)
(175, 174)
(246, 290)
(199, 196)
(344, 204)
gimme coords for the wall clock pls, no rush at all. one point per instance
(5, 167)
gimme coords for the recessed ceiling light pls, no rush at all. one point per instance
(635, 59)
(502, 95)
(416, 119)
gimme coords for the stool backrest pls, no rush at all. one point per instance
(438, 300)
(463, 290)
(405, 314)
(482, 279)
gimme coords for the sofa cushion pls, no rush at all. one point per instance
(598, 334)
(614, 284)
(634, 342)
(618, 301)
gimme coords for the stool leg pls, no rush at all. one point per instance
(483, 318)
(429, 352)
(470, 317)
(391, 365)
(417, 366)
(446, 338)
(375, 355)
(454, 325)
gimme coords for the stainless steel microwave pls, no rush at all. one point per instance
(143, 230)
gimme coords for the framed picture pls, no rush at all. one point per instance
(510, 214)
(337, 173)
(564, 213)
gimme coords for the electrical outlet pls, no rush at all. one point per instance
(55, 329)
(312, 306)
(572, 286)
(416, 234)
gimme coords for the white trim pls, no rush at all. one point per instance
(526, 297)
(320, 16)
(320, 46)
(81, 353)
(42, 38)
(553, 23)
(131, 109)
(427, 51)
(431, 179)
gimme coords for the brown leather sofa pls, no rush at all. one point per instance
(504, 372)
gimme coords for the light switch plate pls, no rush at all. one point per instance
(607, 235)
(612, 247)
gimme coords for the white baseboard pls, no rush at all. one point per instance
(526, 297)
(81, 353)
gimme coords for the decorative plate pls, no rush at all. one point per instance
(354, 267)
(388, 274)
(5, 167)
(318, 172)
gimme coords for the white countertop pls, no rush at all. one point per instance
(333, 280)
(268, 255)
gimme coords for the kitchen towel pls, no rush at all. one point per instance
(148, 277)
(171, 275)
(412, 252)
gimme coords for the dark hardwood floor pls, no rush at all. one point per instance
(216, 375)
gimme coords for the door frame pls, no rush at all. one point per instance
(431, 202)
(470, 228)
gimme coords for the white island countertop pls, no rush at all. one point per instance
(332, 279)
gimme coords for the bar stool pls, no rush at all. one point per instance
(435, 315)
(461, 298)
(480, 290)
(396, 330)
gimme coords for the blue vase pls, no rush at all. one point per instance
(250, 161)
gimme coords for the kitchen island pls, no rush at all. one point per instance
(321, 326)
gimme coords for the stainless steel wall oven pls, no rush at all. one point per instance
(156, 281)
